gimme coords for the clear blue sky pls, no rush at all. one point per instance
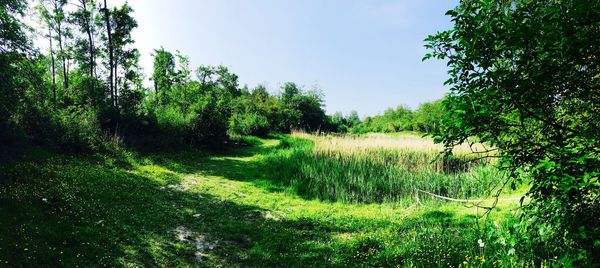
(364, 55)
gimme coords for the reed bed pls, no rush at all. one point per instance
(377, 168)
(408, 141)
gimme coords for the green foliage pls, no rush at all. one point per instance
(12, 36)
(91, 52)
(524, 78)
(342, 124)
(427, 119)
(188, 111)
(76, 128)
(248, 118)
(299, 109)
(248, 124)
(13, 43)
(164, 68)
(84, 91)
(391, 120)
(212, 116)
(219, 76)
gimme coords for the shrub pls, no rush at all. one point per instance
(76, 128)
(248, 124)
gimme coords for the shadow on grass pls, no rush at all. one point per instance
(66, 212)
(239, 163)
(79, 213)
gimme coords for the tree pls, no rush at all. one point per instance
(83, 17)
(260, 93)
(392, 120)
(312, 115)
(428, 117)
(353, 119)
(290, 91)
(132, 89)
(123, 55)
(248, 117)
(300, 109)
(110, 48)
(338, 122)
(46, 19)
(12, 37)
(13, 45)
(524, 78)
(164, 69)
(53, 14)
(211, 76)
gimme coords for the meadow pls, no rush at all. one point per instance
(296, 201)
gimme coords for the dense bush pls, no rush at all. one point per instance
(248, 117)
(211, 116)
(76, 128)
(248, 124)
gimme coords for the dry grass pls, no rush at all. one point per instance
(403, 141)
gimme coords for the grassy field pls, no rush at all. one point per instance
(242, 208)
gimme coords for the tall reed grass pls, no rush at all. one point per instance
(377, 168)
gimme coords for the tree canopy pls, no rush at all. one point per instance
(525, 78)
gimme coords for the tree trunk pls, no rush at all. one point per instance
(116, 82)
(110, 53)
(52, 65)
(90, 40)
(63, 59)
(62, 53)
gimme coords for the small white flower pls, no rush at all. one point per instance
(480, 242)
(45, 200)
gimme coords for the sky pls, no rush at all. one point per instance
(363, 55)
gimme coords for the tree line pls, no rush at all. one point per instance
(426, 119)
(85, 89)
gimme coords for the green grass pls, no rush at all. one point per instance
(228, 211)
